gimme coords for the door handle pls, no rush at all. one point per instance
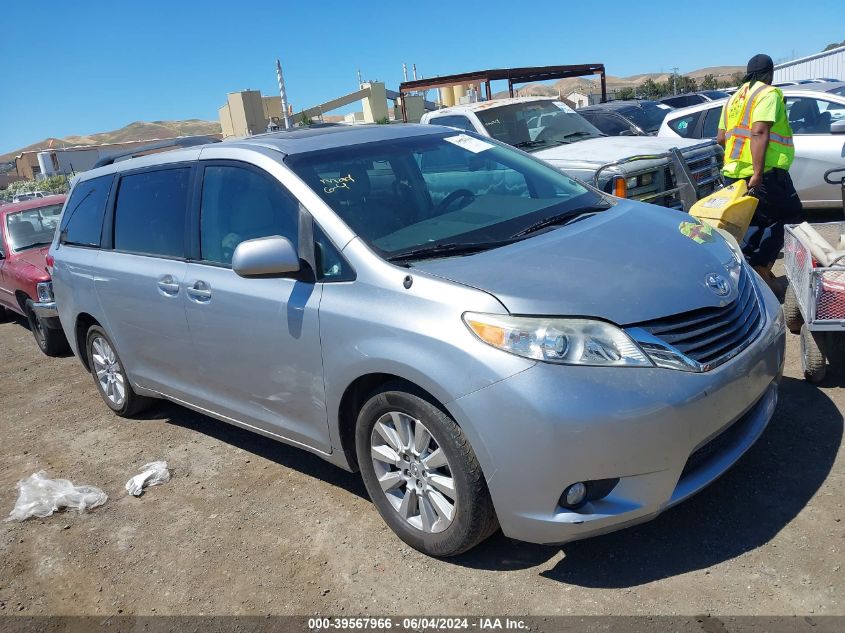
(167, 285)
(199, 291)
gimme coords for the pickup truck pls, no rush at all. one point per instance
(672, 173)
(26, 230)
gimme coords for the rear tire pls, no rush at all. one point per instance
(813, 360)
(429, 488)
(110, 376)
(50, 341)
(791, 312)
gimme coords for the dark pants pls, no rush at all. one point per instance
(779, 205)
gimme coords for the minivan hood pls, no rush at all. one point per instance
(606, 149)
(629, 264)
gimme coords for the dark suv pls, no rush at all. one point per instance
(626, 118)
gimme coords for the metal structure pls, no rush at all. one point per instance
(283, 95)
(513, 76)
(815, 302)
(830, 64)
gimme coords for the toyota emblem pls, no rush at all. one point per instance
(718, 284)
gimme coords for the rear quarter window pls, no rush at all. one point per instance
(685, 126)
(82, 223)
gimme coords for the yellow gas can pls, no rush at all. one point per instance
(729, 209)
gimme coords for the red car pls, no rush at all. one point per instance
(26, 230)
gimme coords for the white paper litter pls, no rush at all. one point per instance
(469, 143)
(40, 497)
(152, 474)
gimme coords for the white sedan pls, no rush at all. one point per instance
(817, 116)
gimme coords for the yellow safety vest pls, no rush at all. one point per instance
(737, 117)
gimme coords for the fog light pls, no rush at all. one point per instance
(575, 494)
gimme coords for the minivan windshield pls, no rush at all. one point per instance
(536, 125)
(442, 194)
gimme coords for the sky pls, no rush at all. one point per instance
(86, 67)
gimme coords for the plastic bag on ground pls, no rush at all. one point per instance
(40, 497)
(152, 474)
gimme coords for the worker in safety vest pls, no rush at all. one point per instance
(755, 133)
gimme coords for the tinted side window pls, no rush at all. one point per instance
(609, 124)
(240, 204)
(711, 123)
(149, 216)
(460, 122)
(82, 223)
(685, 125)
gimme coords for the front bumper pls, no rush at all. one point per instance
(48, 313)
(665, 434)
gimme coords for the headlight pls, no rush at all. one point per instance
(45, 292)
(565, 341)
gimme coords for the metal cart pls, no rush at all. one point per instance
(814, 304)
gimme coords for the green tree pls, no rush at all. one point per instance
(709, 83)
(686, 84)
(830, 47)
(625, 93)
(52, 184)
(650, 89)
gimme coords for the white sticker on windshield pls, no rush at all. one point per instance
(469, 143)
(564, 107)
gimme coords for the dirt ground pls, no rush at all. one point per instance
(249, 526)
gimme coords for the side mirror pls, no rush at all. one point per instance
(265, 256)
(838, 127)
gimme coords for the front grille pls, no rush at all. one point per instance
(710, 335)
(724, 441)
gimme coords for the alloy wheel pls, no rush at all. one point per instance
(413, 472)
(108, 371)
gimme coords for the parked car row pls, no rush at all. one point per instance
(639, 167)
(816, 114)
(489, 341)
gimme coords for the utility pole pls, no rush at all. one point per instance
(675, 80)
(283, 95)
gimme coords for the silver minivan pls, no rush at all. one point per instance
(490, 342)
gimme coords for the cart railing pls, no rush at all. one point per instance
(820, 290)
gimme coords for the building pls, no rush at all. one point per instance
(578, 100)
(248, 112)
(829, 64)
(34, 164)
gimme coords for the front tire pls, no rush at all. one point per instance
(51, 341)
(110, 376)
(422, 473)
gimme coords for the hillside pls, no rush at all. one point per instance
(587, 85)
(137, 131)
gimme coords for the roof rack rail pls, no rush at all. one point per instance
(182, 142)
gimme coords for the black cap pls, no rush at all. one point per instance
(760, 64)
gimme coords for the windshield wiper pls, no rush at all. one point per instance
(450, 248)
(529, 143)
(579, 133)
(562, 219)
